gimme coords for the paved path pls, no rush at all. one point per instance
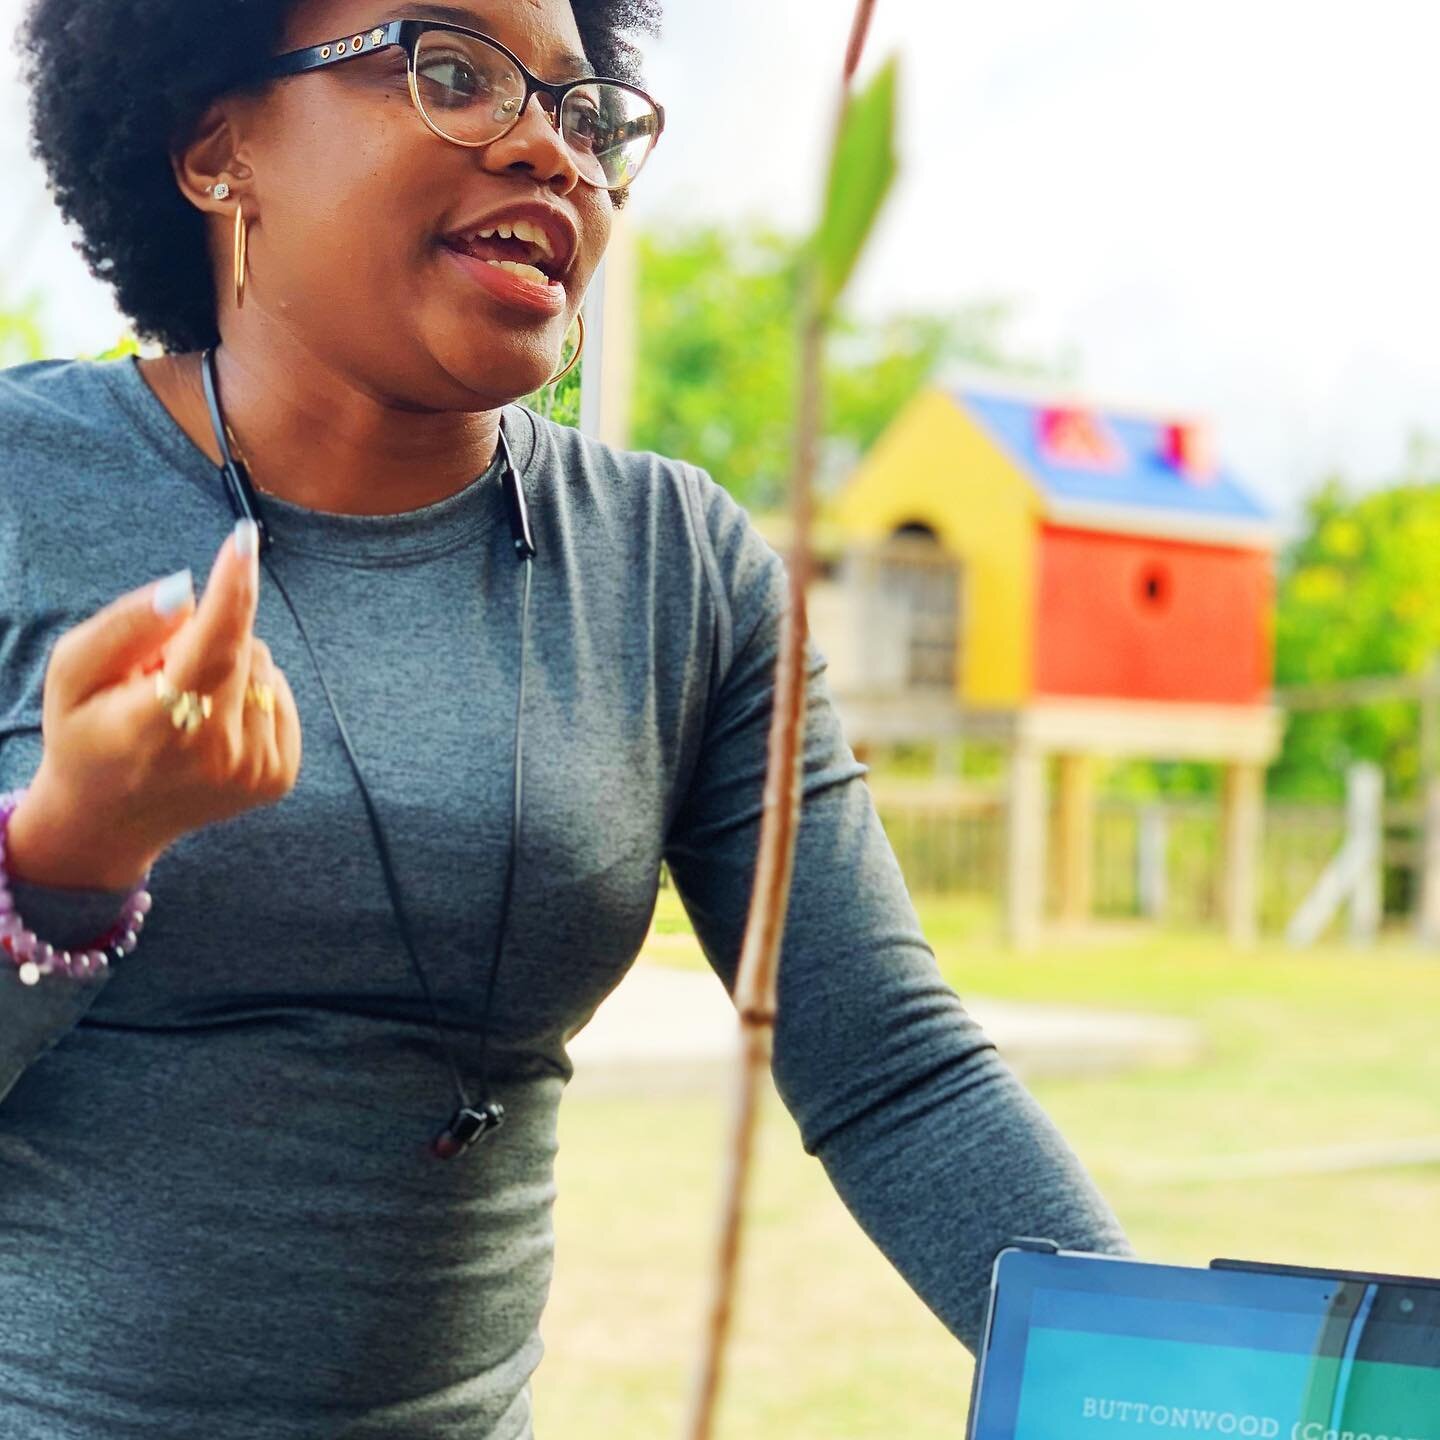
(668, 1028)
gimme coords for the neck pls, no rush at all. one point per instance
(314, 438)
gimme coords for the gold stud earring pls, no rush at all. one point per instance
(575, 358)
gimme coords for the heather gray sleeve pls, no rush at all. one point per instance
(927, 1135)
(35, 1017)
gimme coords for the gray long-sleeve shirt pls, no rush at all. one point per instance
(217, 1214)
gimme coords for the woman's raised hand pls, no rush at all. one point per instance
(118, 782)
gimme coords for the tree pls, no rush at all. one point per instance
(1359, 594)
(21, 335)
(716, 371)
(560, 403)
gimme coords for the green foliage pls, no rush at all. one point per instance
(126, 345)
(1159, 779)
(862, 170)
(715, 378)
(560, 403)
(876, 366)
(1359, 595)
(718, 356)
(21, 336)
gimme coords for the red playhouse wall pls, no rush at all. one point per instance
(1130, 618)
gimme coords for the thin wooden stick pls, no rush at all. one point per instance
(756, 983)
(859, 31)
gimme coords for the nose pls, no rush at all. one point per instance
(534, 143)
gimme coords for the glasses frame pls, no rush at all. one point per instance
(407, 34)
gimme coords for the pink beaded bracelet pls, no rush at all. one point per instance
(32, 956)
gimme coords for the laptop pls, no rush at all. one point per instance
(1089, 1347)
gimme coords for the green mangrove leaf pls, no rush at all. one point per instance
(862, 170)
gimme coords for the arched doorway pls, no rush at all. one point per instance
(914, 571)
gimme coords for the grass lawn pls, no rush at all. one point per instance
(1330, 1048)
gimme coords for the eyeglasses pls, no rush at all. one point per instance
(471, 91)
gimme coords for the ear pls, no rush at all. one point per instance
(212, 153)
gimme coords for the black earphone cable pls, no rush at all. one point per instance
(468, 1124)
(516, 805)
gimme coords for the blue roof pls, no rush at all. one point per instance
(1141, 478)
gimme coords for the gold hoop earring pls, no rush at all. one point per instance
(242, 257)
(575, 358)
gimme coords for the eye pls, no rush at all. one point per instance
(449, 79)
(585, 124)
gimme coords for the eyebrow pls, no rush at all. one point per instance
(572, 66)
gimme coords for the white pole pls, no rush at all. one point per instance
(1026, 845)
(592, 368)
(1364, 810)
(1150, 856)
(1430, 877)
(1355, 874)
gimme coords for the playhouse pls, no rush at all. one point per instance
(1073, 580)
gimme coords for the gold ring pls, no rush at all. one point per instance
(188, 710)
(261, 695)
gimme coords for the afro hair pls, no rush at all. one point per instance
(116, 85)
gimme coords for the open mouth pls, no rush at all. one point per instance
(521, 247)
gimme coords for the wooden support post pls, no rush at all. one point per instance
(1427, 909)
(1151, 851)
(1365, 821)
(1076, 822)
(1430, 720)
(1354, 877)
(949, 758)
(1241, 822)
(1429, 925)
(1025, 844)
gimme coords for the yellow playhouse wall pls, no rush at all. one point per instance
(935, 466)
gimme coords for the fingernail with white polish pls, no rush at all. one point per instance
(247, 536)
(173, 592)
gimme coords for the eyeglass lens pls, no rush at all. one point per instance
(472, 92)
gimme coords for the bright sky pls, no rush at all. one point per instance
(1227, 208)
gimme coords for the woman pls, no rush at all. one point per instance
(220, 1210)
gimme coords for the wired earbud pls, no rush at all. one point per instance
(470, 1123)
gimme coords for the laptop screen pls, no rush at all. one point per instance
(1089, 1348)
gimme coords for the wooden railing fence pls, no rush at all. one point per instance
(1153, 859)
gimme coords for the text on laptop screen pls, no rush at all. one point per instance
(1276, 1357)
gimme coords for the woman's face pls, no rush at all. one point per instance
(357, 210)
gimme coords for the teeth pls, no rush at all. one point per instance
(525, 272)
(521, 230)
(535, 234)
